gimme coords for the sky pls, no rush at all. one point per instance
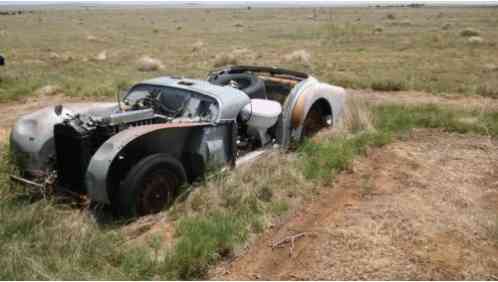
(254, 2)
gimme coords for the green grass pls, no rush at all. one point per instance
(43, 239)
(394, 118)
(324, 160)
(203, 240)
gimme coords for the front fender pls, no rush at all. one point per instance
(118, 154)
(32, 137)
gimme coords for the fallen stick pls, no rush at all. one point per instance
(291, 240)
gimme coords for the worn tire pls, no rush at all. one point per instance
(150, 186)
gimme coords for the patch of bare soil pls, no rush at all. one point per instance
(422, 98)
(420, 209)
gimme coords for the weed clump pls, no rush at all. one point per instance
(446, 26)
(224, 60)
(102, 56)
(378, 29)
(147, 63)
(475, 40)
(388, 85)
(49, 90)
(468, 32)
(322, 161)
(299, 56)
(486, 90)
(197, 46)
(202, 241)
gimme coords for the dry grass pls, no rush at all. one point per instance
(279, 178)
(357, 116)
(49, 90)
(302, 57)
(344, 50)
(102, 56)
(476, 40)
(224, 60)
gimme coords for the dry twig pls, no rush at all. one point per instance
(291, 240)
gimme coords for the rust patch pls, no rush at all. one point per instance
(298, 112)
(285, 81)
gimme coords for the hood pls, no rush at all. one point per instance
(31, 139)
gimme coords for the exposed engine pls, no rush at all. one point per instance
(78, 138)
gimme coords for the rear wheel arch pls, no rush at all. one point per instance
(311, 109)
(318, 116)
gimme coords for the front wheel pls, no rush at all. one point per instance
(150, 186)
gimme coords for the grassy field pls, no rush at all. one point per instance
(92, 53)
(427, 49)
(44, 239)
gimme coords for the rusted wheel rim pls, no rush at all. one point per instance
(159, 189)
(313, 123)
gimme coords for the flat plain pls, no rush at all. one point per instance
(409, 190)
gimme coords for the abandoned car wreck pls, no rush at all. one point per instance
(135, 153)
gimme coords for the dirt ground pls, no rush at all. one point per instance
(424, 208)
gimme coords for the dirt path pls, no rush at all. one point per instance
(421, 209)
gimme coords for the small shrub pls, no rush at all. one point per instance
(224, 60)
(475, 40)
(300, 56)
(391, 16)
(102, 56)
(279, 207)
(265, 194)
(147, 63)
(468, 32)
(487, 90)
(49, 90)
(490, 67)
(378, 29)
(446, 26)
(388, 85)
(197, 46)
(357, 115)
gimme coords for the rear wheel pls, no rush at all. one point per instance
(150, 186)
(313, 122)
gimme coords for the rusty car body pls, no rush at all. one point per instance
(134, 154)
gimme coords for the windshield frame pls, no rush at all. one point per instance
(192, 93)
